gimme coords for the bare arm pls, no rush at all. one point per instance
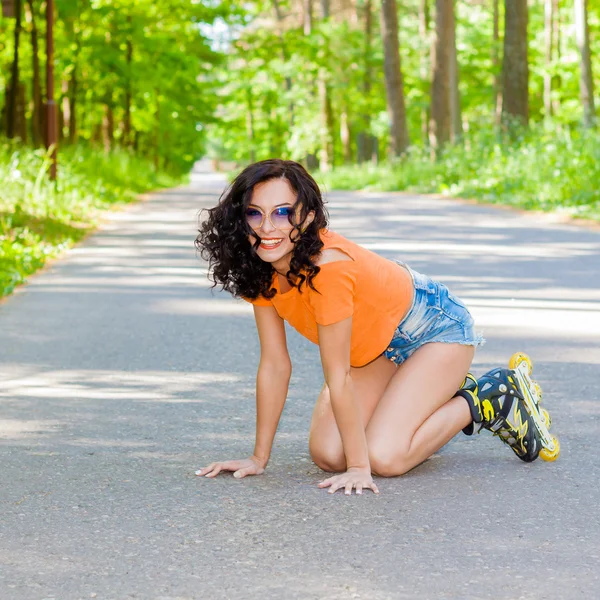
(272, 379)
(334, 344)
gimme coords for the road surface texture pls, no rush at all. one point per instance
(121, 373)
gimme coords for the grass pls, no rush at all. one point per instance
(39, 219)
(540, 170)
(545, 170)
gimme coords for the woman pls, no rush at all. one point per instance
(395, 346)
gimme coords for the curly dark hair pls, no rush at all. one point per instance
(223, 238)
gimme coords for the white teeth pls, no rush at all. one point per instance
(270, 242)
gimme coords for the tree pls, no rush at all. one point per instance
(515, 65)
(586, 79)
(326, 155)
(36, 88)
(548, 55)
(456, 130)
(394, 84)
(556, 79)
(425, 64)
(445, 103)
(496, 62)
(307, 16)
(365, 140)
(13, 93)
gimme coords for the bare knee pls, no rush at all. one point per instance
(386, 463)
(329, 458)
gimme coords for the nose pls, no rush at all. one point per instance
(267, 226)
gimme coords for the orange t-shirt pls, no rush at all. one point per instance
(376, 292)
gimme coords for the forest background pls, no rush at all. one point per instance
(486, 99)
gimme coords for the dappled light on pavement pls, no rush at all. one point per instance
(122, 372)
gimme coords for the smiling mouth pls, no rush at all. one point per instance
(269, 244)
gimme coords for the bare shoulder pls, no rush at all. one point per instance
(332, 255)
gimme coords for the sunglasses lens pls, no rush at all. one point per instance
(280, 217)
(253, 218)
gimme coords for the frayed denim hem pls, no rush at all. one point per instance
(400, 355)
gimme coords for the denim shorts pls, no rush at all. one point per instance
(435, 316)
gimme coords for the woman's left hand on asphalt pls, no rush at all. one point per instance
(353, 478)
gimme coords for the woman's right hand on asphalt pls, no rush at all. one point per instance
(240, 468)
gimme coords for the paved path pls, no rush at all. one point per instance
(120, 374)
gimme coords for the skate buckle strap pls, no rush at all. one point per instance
(497, 424)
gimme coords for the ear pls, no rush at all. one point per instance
(310, 217)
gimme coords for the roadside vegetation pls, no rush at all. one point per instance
(491, 101)
(547, 171)
(40, 218)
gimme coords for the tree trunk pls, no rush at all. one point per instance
(364, 139)
(128, 92)
(96, 136)
(65, 109)
(556, 80)
(74, 88)
(515, 66)
(496, 64)
(13, 94)
(548, 56)
(440, 86)
(586, 81)
(394, 84)
(21, 120)
(311, 159)
(60, 122)
(327, 155)
(307, 16)
(425, 65)
(456, 130)
(36, 112)
(108, 128)
(345, 136)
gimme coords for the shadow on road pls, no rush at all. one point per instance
(122, 372)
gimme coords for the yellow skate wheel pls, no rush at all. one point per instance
(546, 417)
(550, 455)
(519, 358)
(538, 390)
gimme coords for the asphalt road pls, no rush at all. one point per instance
(121, 373)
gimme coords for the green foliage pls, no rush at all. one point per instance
(269, 100)
(134, 86)
(260, 117)
(136, 73)
(270, 105)
(39, 219)
(541, 170)
(155, 85)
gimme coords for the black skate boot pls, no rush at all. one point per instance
(497, 404)
(468, 390)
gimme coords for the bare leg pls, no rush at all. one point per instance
(417, 413)
(325, 443)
